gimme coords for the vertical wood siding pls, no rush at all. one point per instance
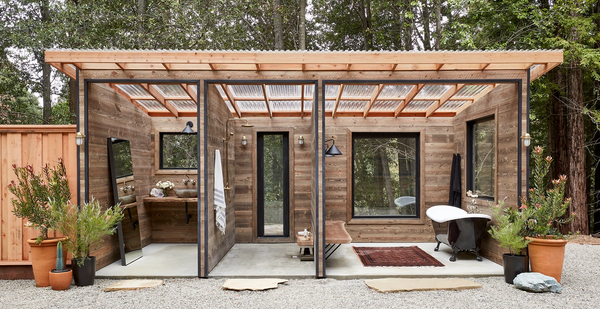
(34, 145)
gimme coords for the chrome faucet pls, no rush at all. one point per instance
(187, 180)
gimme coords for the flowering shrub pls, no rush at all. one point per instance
(33, 192)
(84, 227)
(546, 207)
(509, 228)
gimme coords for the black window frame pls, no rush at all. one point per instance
(417, 137)
(260, 207)
(471, 157)
(160, 151)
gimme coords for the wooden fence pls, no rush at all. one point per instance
(33, 145)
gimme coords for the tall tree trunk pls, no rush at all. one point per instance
(408, 26)
(73, 100)
(364, 13)
(596, 216)
(557, 124)
(438, 24)
(141, 12)
(426, 30)
(576, 174)
(302, 26)
(378, 176)
(277, 25)
(46, 71)
(387, 179)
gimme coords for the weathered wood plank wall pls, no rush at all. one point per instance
(245, 176)
(34, 145)
(502, 103)
(218, 113)
(110, 115)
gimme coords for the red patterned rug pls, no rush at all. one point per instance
(395, 256)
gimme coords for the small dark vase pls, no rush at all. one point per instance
(84, 275)
(514, 265)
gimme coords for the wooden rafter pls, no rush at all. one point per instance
(231, 100)
(120, 65)
(189, 89)
(128, 98)
(475, 98)
(159, 97)
(447, 95)
(337, 100)
(302, 102)
(372, 100)
(409, 97)
(167, 66)
(264, 89)
(65, 68)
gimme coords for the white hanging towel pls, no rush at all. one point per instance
(219, 196)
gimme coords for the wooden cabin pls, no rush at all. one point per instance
(396, 117)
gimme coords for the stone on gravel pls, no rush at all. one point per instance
(392, 285)
(536, 282)
(129, 285)
(252, 284)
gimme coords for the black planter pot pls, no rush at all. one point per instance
(514, 265)
(84, 275)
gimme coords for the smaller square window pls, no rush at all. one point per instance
(178, 151)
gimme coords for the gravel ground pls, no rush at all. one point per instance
(581, 289)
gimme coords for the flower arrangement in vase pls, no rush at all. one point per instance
(165, 186)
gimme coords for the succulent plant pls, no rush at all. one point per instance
(60, 262)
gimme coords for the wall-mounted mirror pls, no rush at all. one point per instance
(123, 184)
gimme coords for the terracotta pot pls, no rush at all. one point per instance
(547, 256)
(60, 280)
(43, 259)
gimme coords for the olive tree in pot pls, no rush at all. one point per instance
(31, 195)
(84, 228)
(509, 231)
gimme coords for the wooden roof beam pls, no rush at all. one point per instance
(372, 100)
(264, 89)
(413, 92)
(167, 66)
(65, 68)
(158, 97)
(302, 102)
(475, 98)
(542, 69)
(337, 100)
(232, 100)
(128, 98)
(447, 95)
(189, 89)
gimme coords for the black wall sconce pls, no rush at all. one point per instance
(333, 150)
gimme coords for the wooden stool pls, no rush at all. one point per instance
(306, 248)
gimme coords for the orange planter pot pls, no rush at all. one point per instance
(61, 281)
(547, 256)
(43, 259)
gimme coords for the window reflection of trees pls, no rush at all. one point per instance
(122, 156)
(484, 155)
(384, 171)
(179, 150)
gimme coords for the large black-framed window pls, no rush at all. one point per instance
(385, 175)
(273, 184)
(481, 157)
(178, 150)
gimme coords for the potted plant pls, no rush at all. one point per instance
(32, 193)
(60, 277)
(509, 231)
(545, 210)
(84, 228)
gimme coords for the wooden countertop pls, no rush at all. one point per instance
(170, 199)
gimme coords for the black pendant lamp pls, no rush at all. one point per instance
(333, 150)
(188, 128)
